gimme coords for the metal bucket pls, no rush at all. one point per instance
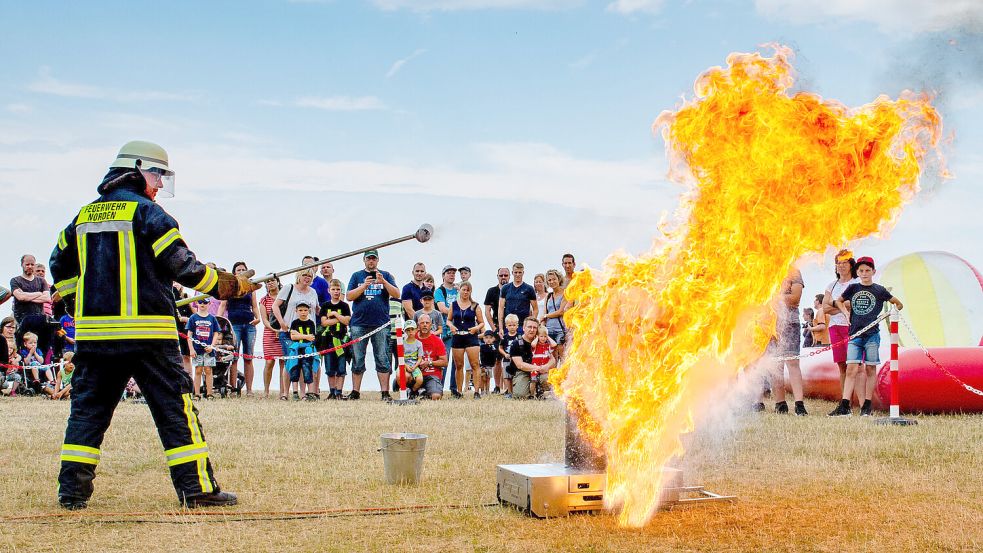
(402, 455)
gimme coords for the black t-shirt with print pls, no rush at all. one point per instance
(866, 304)
(506, 343)
(337, 330)
(303, 327)
(521, 348)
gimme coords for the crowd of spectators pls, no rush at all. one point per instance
(453, 344)
(507, 344)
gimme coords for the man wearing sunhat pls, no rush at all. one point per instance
(369, 291)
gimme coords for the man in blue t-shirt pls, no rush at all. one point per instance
(517, 298)
(413, 291)
(369, 291)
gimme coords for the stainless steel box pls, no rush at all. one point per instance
(553, 489)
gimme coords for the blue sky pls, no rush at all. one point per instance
(519, 128)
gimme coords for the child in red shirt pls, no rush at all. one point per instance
(542, 352)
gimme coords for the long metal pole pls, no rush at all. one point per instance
(422, 234)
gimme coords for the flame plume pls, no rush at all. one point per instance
(772, 177)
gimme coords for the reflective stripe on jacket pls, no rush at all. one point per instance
(119, 258)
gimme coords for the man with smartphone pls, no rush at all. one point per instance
(369, 291)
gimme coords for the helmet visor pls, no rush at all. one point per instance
(165, 181)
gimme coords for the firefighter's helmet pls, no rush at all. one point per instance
(149, 157)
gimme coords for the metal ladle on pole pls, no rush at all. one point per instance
(422, 234)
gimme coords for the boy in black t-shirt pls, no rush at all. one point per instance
(335, 316)
(862, 302)
(302, 332)
(488, 356)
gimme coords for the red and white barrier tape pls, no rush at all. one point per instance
(290, 357)
(817, 351)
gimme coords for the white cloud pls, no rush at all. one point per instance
(888, 15)
(398, 64)
(469, 5)
(627, 7)
(341, 103)
(584, 61)
(46, 84)
(19, 109)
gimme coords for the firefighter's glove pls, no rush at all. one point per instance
(235, 286)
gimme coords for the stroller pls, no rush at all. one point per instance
(225, 363)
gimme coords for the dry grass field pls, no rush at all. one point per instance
(804, 484)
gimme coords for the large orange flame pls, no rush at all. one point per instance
(773, 177)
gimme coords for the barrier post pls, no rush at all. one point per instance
(894, 416)
(401, 362)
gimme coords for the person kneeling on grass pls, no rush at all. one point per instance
(302, 333)
(522, 352)
(203, 333)
(433, 360)
(63, 383)
(412, 353)
(862, 302)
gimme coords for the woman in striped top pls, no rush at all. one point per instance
(271, 340)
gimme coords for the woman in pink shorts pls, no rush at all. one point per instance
(839, 325)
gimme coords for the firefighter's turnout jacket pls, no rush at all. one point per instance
(118, 260)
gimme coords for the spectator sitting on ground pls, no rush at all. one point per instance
(509, 338)
(335, 316)
(412, 353)
(369, 291)
(491, 317)
(434, 359)
(302, 335)
(522, 352)
(518, 298)
(63, 382)
(412, 292)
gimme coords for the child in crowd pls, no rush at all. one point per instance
(67, 331)
(302, 333)
(12, 377)
(511, 335)
(203, 328)
(31, 359)
(542, 353)
(862, 303)
(63, 383)
(412, 353)
(488, 356)
(436, 317)
(335, 316)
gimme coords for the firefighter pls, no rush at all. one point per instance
(115, 264)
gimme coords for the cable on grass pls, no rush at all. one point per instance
(180, 517)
